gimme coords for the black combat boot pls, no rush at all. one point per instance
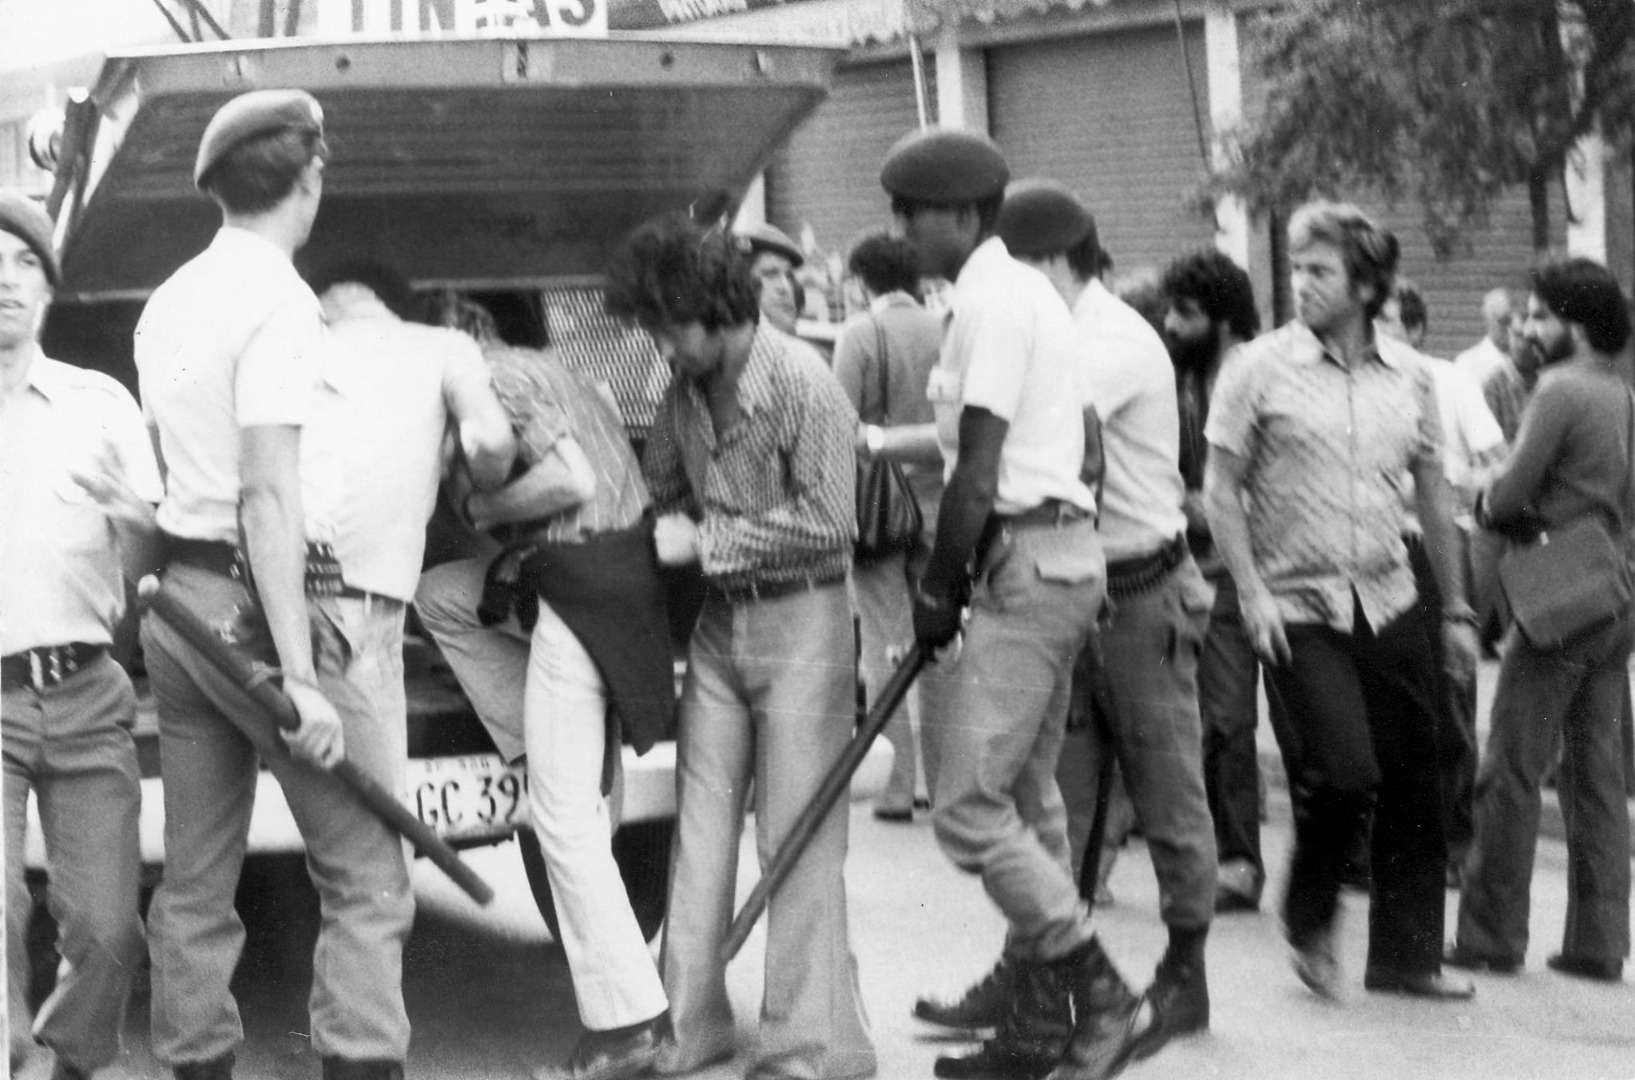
(1179, 993)
(981, 1008)
(220, 1068)
(1109, 1021)
(1030, 1037)
(338, 1068)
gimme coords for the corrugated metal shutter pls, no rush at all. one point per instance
(1111, 117)
(828, 176)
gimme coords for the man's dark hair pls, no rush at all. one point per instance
(987, 210)
(385, 282)
(1219, 286)
(1370, 253)
(885, 264)
(1582, 291)
(671, 271)
(258, 174)
(1087, 259)
(1410, 305)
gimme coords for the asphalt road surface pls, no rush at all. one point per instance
(489, 995)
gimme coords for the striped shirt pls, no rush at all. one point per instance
(547, 402)
(775, 496)
(1329, 449)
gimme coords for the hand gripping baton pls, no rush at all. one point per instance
(833, 787)
(275, 705)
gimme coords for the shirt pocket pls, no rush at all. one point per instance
(1063, 557)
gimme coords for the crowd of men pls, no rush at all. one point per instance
(1125, 526)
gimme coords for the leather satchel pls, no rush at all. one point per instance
(1573, 579)
(888, 516)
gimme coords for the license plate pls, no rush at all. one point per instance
(472, 797)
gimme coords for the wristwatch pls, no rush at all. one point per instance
(874, 439)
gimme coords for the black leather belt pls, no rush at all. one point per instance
(48, 665)
(1132, 577)
(1050, 512)
(323, 573)
(747, 592)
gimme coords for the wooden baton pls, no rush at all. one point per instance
(276, 705)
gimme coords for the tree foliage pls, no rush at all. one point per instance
(1446, 102)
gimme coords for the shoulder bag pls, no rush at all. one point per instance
(1575, 578)
(888, 515)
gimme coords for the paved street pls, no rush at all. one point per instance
(490, 998)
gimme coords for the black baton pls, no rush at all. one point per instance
(833, 787)
(276, 705)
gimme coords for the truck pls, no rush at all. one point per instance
(502, 169)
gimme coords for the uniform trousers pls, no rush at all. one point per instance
(71, 744)
(1150, 649)
(768, 699)
(356, 863)
(1362, 707)
(1002, 708)
(1227, 705)
(1546, 698)
(546, 683)
(885, 623)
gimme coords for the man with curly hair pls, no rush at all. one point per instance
(751, 466)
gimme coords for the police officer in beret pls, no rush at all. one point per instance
(1152, 641)
(228, 352)
(1017, 548)
(774, 258)
(77, 483)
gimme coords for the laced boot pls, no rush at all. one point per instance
(1109, 1021)
(1179, 993)
(1030, 1037)
(980, 1008)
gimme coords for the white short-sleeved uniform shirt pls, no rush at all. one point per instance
(371, 457)
(1132, 384)
(59, 556)
(1011, 348)
(1469, 430)
(231, 341)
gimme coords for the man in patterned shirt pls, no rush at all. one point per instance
(1311, 430)
(752, 466)
(583, 662)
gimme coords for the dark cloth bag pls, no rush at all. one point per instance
(888, 515)
(1572, 579)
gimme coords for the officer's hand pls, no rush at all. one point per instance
(1459, 651)
(319, 739)
(1263, 622)
(676, 538)
(936, 618)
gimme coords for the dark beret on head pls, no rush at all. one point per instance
(946, 166)
(1040, 218)
(26, 219)
(257, 113)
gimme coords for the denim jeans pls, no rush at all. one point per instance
(1570, 698)
(768, 704)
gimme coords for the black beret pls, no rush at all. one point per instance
(259, 112)
(943, 165)
(26, 219)
(771, 238)
(1041, 218)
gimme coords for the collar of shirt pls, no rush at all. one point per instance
(1091, 299)
(991, 255)
(898, 298)
(46, 377)
(1307, 347)
(244, 244)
